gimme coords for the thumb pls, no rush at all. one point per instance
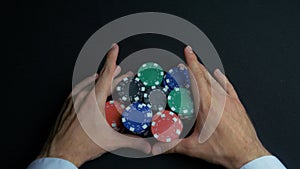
(133, 142)
(166, 148)
(104, 82)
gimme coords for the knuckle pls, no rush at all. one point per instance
(206, 105)
(198, 72)
(178, 149)
(185, 148)
(108, 69)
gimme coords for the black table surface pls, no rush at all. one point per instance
(258, 42)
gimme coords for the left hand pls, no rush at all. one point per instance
(68, 140)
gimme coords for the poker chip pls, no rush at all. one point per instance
(181, 102)
(156, 98)
(153, 103)
(166, 126)
(137, 118)
(113, 117)
(147, 133)
(127, 91)
(151, 74)
(177, 77)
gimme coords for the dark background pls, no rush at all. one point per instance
(258, 42)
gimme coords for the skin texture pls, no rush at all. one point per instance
(68, 140)
(232, 144)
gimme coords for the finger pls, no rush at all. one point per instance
(118, 140)
(225, 83)
(93, 117)
(82, 89)
(117, 71)
(120, 78)
(81, 85)
(191, 56)
(104, 82)
(216, 85)
(130, 141)
(212, 81)
(206, 75)
(194, 88)
(181, 65)
(79, 98)
(77, 92)
(117, 80)
(166, 148)
(197, 71)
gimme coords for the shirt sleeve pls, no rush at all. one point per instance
(264, 162)
(51, 163)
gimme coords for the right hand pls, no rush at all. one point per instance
(234, 142)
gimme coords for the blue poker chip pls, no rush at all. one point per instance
(177, 77)
(137, 118)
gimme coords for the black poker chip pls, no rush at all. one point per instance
(156, 98)
(154, 103)
(128, 91)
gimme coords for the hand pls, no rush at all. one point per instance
(234, 142)
(68, 140)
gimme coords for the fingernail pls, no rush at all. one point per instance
(117, 71)
(189, 49)
(113, 46)
(130, 73)
(181, 65)
(118, 68)
(218, 72)
(157, 150)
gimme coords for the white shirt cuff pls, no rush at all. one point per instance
(51, 163)
(264, 162)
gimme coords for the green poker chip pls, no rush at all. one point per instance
(181, 102)
(151, 74)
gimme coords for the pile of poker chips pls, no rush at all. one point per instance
(152, 103)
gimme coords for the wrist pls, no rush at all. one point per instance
(77, 162)
(75, 158)
(239, 154)
(251, 154)
(76, 155)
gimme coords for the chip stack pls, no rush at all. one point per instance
(166, 126)
(181, 102)
(177, 77)
(155, 98)
(113, 117)
(137, 118)
(127, 91)
(151, 74)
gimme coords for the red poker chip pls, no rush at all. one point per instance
(119, 106)
(113, 117)
(166, 126)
